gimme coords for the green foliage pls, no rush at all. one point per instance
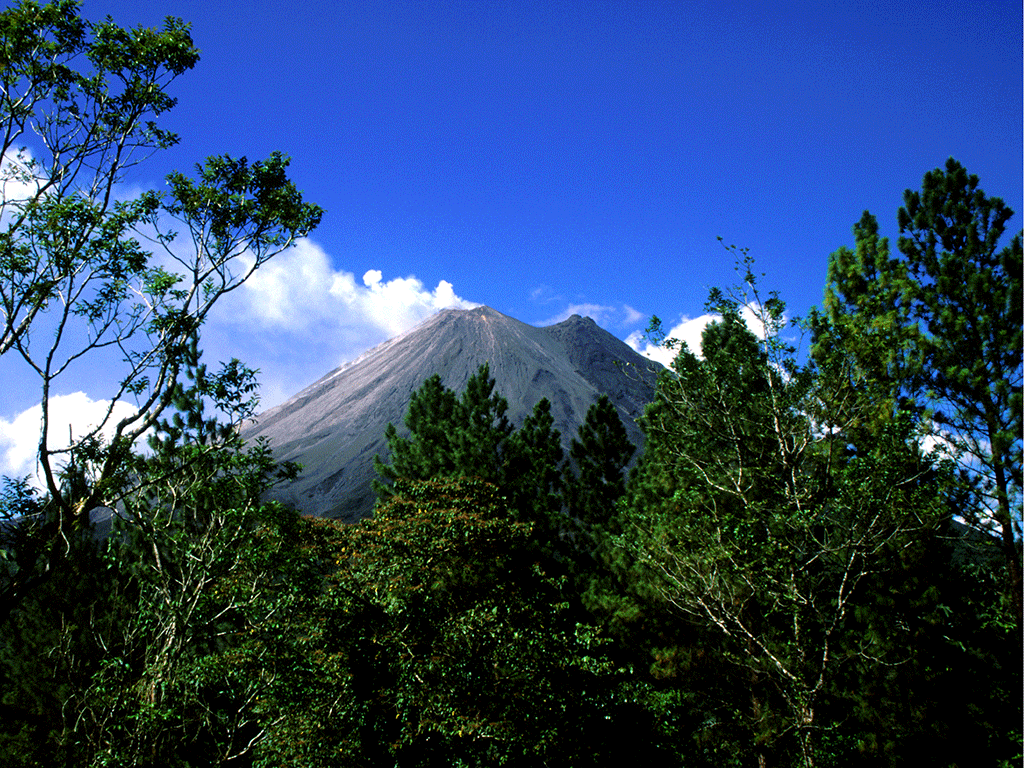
(116, 653)
(594, 480)
(169, 686)
(22, 547)
(761, 534)
(599, 456)
(438, 641)
(236, 205)
(449, 436)
(470, 436)
(49, 647)
(865, 341)
(952, 699)
(941, 327)
(71, 261)
(531, 480)
(143, 631)
(782, 580)
(93, 125)
(968, 293)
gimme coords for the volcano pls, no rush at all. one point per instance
(335, 427)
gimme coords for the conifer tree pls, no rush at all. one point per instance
(531, 477)
(448, 436)
(864, 339)
(940, 328)
(968, 294)
(483, 429)
(470, 436)
(595, 476)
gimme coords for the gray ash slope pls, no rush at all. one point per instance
(335, 427)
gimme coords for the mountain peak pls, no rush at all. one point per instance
(478, 311)
(586, 319)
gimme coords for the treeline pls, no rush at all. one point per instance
(816, 559)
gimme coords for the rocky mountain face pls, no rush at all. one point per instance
(335, 427)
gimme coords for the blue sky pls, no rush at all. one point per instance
(546, 158)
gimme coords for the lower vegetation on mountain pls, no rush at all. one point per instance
(814, 561)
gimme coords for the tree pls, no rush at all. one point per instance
(93, 126)
(864, 339)
(76, 285)
(470, 436)
(449, 436)
(141, 630)
(595, 478)
(969, 294)
(437, 641)
(531, 479)
(78, 288)
(941, 324)
(482, 429)
(750, 523)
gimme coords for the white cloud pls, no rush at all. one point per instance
(298, 317)
(690, 331)
(19, 437)
(597, 312)
(632, 316)
(300, 288)
(19, 178)
(622, 316)
(399, 304)
(606, 316)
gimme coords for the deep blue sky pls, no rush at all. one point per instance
(599, 148)
(550, 157)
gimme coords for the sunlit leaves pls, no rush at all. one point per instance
(236, 203)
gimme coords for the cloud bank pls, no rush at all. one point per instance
(688, 330)
(19, 437)
(297, 317)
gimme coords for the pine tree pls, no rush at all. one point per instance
(470, 436)
(531, 478)
(449, 436)
(968, 293)
(940, 327)
(595, 477)
(864, 339)
(430, 451)
(483, 429)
